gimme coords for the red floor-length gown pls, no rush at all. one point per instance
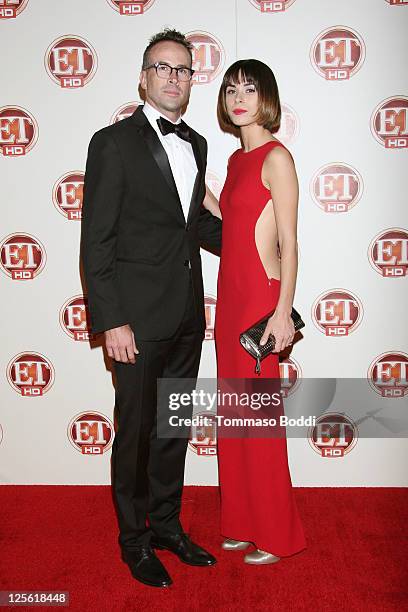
(257, 502)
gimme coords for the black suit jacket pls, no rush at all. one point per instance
(136, 246)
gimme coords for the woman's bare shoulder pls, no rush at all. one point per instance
(278, 158)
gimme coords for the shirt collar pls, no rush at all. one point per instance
(153, 114)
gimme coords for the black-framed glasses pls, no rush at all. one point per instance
(164, 71)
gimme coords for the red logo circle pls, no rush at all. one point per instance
(389, 123)
(74, 318)
(67, 195)
(203, 439)
(91, 433)
(22, 256)
(337, 312)
(337, 53)
(208, 56)
(290, 374)
(71, 61)
(124, 111)
(334, 435)
(18, 131)
(210, 304)
(388, 253)
(336, 187)
(30, 374)
(289, 125)
(131, 7)
(388, 374)
(272, 6)
(9, 9)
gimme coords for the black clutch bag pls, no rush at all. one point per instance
(251, 338)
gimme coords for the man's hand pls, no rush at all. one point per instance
(120, 344)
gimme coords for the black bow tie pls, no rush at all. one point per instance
(180, 129)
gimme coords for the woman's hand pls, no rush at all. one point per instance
(281, 326)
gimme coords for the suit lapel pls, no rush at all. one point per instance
(199, 162)
(157, 151)
(160, 156)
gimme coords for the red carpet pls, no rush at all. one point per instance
(65, 538)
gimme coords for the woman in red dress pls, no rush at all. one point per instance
(257, 274)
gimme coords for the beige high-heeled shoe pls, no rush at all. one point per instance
(260, 557)
(230, 544)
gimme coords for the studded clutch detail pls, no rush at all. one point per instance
(251, 338)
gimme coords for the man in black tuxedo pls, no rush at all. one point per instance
(143, 224)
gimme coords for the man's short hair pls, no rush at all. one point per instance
(166, 35)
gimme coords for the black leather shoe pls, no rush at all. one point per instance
(146, 566)
(181, 545)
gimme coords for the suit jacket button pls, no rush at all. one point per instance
(187, 262)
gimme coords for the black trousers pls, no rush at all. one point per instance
(147, 469)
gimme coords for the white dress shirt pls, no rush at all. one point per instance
(180, 155)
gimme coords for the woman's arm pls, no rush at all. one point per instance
(279, 174)
(210, 202)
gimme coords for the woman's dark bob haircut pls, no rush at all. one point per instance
(258, 73)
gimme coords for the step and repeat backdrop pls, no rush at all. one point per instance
(71, 67)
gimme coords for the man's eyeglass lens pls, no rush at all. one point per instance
(164, 71)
